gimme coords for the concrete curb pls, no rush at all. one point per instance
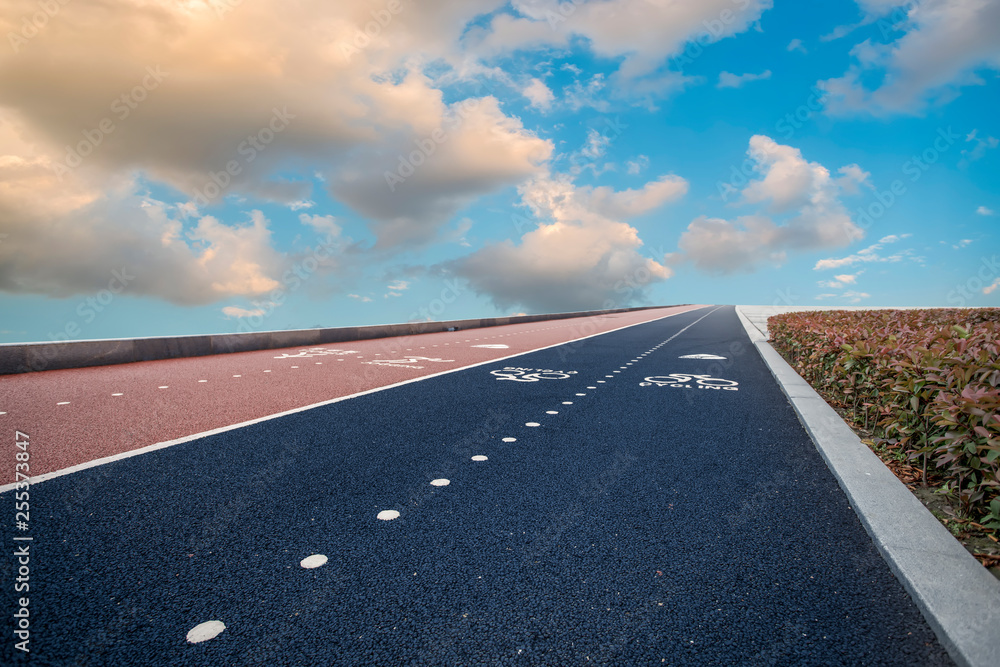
(959, 598)
(29, 357)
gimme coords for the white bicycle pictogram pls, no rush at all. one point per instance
(521, 374)
(681, 378)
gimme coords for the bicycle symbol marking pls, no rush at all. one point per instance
(316, 352)
(405, 363)
(530, 374)
(682, 380)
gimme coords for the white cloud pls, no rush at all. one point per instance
(982, 210)
(538, 94)
(791, 186)
(962, 244)
(729, 80)
(398, 285)
(990, 288)
(301, 204)
(637, 165)
(644, 34)
(847, 278)
(866, 255)
(362, 299)
(945, 43)
(236, 311)
(796, 45)
(979, 148)
(579, 257)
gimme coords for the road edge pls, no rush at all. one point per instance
(958, 597)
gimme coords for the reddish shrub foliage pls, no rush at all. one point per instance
(923, 381)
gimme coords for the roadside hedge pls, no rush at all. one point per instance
(926, 382)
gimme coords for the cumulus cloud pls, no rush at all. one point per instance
(945, 43)
(790, 186)
(538, 94)
(982, 210)
(581, 256)
(411, 187)
(729, 80)
(645, 35)
(258, 104)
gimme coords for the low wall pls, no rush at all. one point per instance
(30, 357)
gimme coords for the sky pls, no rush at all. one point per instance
(208, 166)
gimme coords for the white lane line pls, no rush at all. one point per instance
(440, 482)
(387, 515)
(232, 427)
(551, 412)
(270, 371)
(510, 439)
(118, 394)
(237, 376)
(165, 387)
(591, 387)
(581, 394)
(202, 380)
(63, 403)
(532, 424)
(567, 402)
(479, 457)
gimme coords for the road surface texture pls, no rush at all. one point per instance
(608, 502)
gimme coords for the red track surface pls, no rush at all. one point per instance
(79, 415)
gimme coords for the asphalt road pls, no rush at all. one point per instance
(623, 515)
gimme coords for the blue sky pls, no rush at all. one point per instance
(271, 167)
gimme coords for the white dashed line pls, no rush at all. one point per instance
(551, 412)
(479, 457)
(63, 403)
(270, 371)
(567, 402)
(440, 482)
(388, 515)
(314, 561)
(510, 439)
(237, 376)
(532, 424)
(205, 631)
(198, 381)
(602, 382)
(165, 387)
(294, 366)
(118, 394)
(591, 387)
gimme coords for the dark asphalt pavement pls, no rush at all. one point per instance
(640, 522)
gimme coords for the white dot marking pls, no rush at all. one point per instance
(314, 561)
(205, 631)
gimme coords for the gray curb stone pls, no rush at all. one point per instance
(959, 598)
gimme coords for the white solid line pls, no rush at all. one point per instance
(63, 403)
(232, 427)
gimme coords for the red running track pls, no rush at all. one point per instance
(76, 416)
